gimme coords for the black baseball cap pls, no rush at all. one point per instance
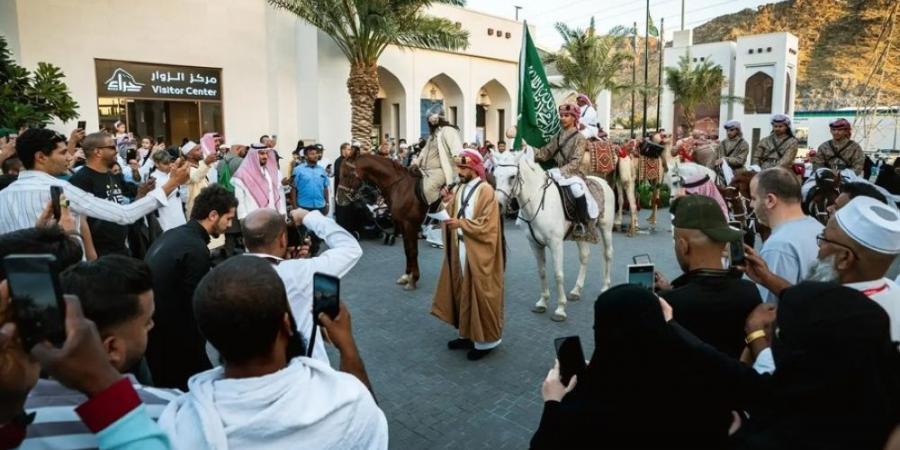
(698, 212)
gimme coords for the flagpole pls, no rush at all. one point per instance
(659, 90)
(633, 75)
(646, 66)
(516, 141)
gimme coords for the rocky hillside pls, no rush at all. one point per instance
(839, 43)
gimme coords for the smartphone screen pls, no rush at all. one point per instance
(326, 295)
(570, 356)
(641, 259)
(296, 235)
(641, 274)
(82, 124)
(736, 253)
(37, 301)
(55, 193)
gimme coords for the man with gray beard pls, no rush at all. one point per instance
(856, 249)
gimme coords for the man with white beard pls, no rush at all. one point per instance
(856, 249)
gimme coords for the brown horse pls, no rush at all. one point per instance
(398, 187)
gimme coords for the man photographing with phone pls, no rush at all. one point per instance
(45, 156)
(710, 301)
(266, 235)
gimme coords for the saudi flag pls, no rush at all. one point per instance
(538, 118)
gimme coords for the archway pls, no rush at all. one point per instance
(493, 112)
(441, 91)
(389, 116)
(758, 94)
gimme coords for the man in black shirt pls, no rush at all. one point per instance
(178, 260)
(97, 178)
(711, 302)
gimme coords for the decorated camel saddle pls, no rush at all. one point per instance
(600, 158)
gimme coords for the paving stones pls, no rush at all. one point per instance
(434, 397)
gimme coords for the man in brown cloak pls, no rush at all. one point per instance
(469, 293)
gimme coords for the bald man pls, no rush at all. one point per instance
(265, 235)
(712, 302)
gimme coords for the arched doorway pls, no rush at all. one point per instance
(389, 115)
(441, 92)
(758, 94)
(493, 113)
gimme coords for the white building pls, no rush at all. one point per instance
(180, 68)
(874, 133)
(759, 69)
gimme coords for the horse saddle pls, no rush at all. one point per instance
(570, 208)
(420, 195)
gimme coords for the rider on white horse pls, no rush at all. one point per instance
(566, 150)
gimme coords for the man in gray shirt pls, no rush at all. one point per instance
(791, 249)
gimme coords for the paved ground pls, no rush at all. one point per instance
(435, 398)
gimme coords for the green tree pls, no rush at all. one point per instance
(588, 62)
(694, 85)
(363, 29)
(32, 99)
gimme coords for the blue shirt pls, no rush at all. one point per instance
(311, 182)
(790, 252)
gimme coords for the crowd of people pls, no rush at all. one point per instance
(187, 276)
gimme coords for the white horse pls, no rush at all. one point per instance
(542, 210)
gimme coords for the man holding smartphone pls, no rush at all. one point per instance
(710, 301)
(265, 236)
(44, 155)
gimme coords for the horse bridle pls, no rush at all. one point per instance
(352, 194)
(356, 194)
(517, 186)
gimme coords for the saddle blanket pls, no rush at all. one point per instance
(593, 208)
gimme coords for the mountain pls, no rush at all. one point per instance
(840, 41)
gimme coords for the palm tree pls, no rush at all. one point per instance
(694, 85)
(588, 62)
(362, 29)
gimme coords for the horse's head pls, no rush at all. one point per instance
(508, 176)
(351, 181)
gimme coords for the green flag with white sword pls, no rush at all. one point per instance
(538, 117)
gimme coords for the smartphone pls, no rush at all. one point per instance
(641, 275)
(570, 356)
(82, 125)
(37, 301)
(736, 253)
(326, 295)
(55, 193)
(296, 236)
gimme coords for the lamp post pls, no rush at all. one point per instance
(646, 67)
(517, 11)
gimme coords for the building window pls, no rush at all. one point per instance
(758, 94)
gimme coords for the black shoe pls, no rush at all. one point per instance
(461, 344)
(475, 354)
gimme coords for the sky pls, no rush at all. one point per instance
(543, 14)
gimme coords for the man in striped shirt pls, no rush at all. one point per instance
(116, 293)
(44, 155)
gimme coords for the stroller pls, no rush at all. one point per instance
(378, 221)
